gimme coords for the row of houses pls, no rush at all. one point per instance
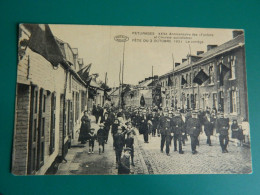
(50, 100)
(225, 87)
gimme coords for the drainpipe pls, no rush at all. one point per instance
(64, 116)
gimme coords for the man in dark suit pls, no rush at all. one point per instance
(178, 130)
(144, 126)
(164, 128)
(194, 129)
(208, 124)
(155, 120)
(222, 126)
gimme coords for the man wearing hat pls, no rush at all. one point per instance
(165, 124)
(143, 126)
(222, 127)
(179, 130)
(194, 129)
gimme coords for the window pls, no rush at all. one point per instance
(214, 100)
(211, 73)
(187, 80)
(232, 62)
(194, 75)
(190, 83)
(233, 101)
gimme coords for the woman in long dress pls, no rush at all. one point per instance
(84, 128)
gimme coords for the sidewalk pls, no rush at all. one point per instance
(79, 162)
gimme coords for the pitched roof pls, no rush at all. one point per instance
(237, 41)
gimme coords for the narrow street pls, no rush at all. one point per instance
(149, 159)
(79, 162)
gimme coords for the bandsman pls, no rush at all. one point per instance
(222, 127)
(178, 130)
(164, 128)
(194, 130)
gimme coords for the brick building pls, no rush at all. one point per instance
(50, 101)
(229, 95)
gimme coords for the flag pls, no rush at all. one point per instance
(44, 43)
(88, 81)
(84, 72)
(183, 81)
(142, 101)
(201, 77)
(169, 81)
(223, 69)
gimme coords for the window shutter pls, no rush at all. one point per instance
(33, 131)
(53, 121)
(238, 101)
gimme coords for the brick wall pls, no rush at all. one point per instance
(21, 132)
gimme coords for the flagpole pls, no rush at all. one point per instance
(119, 88)
(172, 78)
(152, 85)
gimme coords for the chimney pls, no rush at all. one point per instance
(237, 33)
(177, 64)
(199, 52)
(183, 60)
(209, 47)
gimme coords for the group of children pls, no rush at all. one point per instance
(123, 140)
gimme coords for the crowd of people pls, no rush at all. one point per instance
(171, 126)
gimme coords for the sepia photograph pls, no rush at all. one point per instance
(130, 100)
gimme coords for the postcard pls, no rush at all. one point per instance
(131, 100)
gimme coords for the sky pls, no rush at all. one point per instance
(147, 47)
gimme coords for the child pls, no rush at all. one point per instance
(114, 130)
(92, 138)
(119, 144)
(101, 136)
(124, 164)
(129, 142)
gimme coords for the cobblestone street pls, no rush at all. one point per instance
(209, 160)
(149, 159)
(79, 162)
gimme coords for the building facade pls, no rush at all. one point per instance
(226, 91)
(50, 101)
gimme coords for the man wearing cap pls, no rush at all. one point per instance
(155, 120)
(178, 130)
(165, 123)
(222, 126)
(194, 129)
